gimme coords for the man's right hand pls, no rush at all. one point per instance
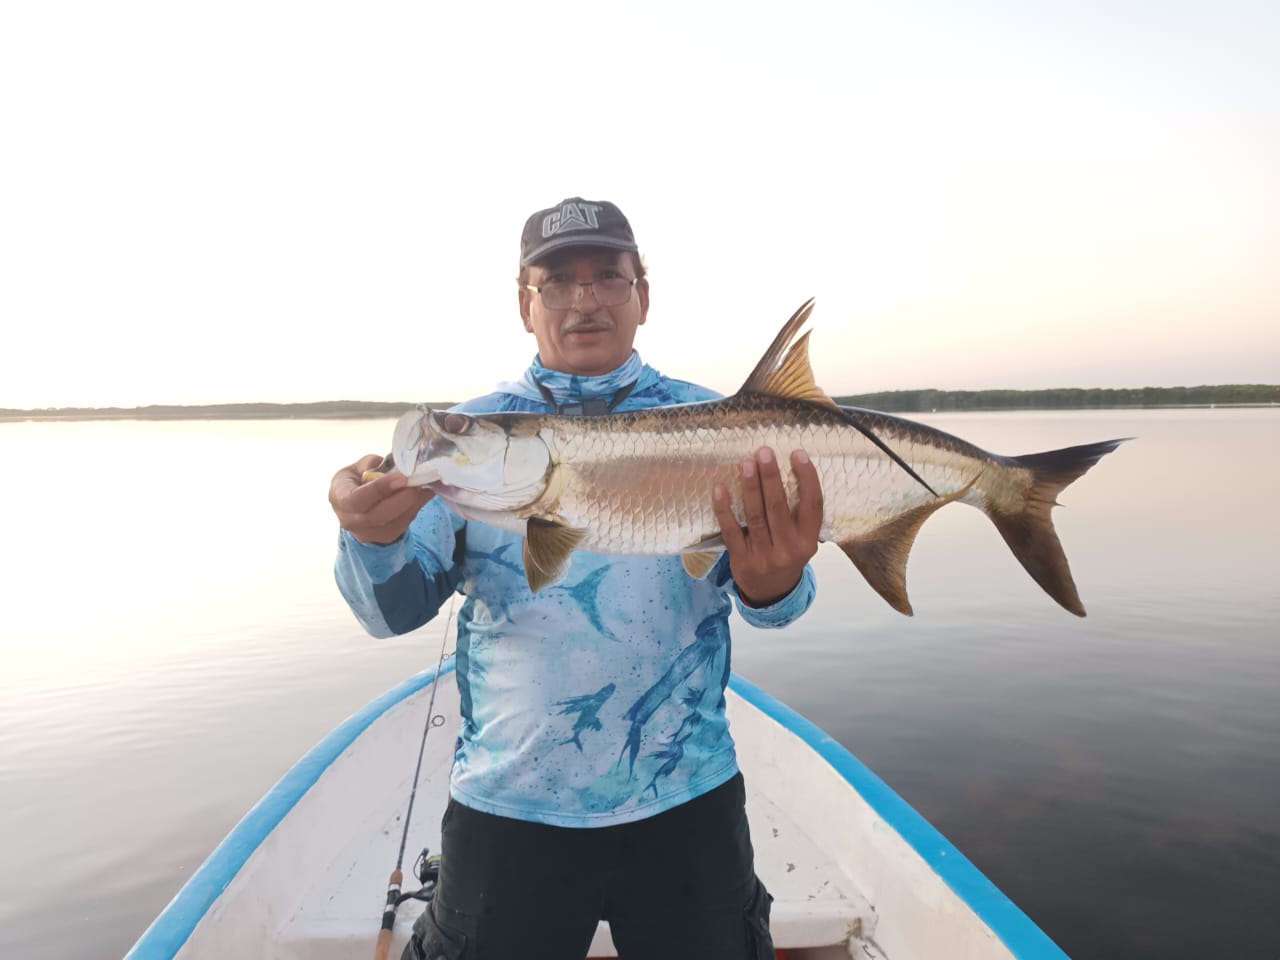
(379, 511)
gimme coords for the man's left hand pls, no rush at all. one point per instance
(767, 558)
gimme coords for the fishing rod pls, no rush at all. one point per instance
(383, 946)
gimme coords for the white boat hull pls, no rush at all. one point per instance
(854, 871)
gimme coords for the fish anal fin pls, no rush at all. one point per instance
(881, 554)
(547, 547)
(698, 565)
(882, 561)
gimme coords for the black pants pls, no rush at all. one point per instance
(680, 884)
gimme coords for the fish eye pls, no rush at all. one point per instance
(457, 424)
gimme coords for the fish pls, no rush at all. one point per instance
(639, 482)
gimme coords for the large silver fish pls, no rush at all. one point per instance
(640, 482)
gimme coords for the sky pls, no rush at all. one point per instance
(295, 201)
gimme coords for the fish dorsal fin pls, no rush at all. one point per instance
(780, 343)
(698, 565)
(547, 546)
(788, 374)
(794, 378)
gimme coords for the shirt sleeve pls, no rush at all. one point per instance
(778, 614)
(400, 586)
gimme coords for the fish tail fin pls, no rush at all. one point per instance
(1028, 528)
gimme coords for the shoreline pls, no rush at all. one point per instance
(391, 411)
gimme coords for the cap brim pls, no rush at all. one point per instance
(559, 243)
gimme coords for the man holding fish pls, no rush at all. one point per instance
(594, 777)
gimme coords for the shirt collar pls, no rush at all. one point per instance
(571, 386)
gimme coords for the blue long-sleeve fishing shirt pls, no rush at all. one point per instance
(601, 699)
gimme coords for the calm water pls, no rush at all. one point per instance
(172, 642)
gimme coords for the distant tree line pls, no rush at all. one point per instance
(321, 410)
(1063, 398)
(894, 401)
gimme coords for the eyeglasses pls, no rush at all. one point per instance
(563, 294)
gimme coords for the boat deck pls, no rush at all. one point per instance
(815, 905)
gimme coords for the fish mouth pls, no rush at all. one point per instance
(410, 445)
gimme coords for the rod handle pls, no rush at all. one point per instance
(382, 948)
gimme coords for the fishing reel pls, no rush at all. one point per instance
(427, 869)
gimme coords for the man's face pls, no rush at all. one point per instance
(586, 338)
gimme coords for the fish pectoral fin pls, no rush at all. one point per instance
(698, 565)
(881, 554)
(789, 374)
(547, 546)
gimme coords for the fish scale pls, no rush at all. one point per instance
(641, 483)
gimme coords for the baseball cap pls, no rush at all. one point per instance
(575, 223)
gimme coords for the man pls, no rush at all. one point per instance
(594, 777)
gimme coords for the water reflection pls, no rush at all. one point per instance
(173, 642)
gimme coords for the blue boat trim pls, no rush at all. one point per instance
(169, 931)
(1015, 929)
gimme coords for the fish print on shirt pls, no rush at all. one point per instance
(709, 641)
(487, 568)
(498, 556)
(673, 751)
(586, 594)
(588, 710)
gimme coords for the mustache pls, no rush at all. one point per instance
(591, 320)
